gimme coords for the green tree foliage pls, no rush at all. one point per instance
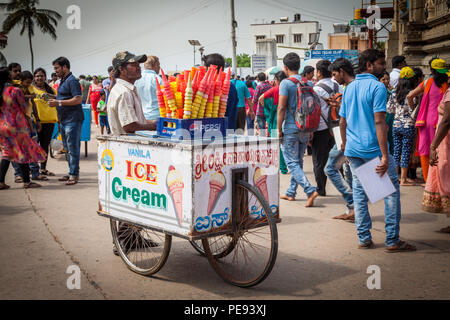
(243, 61)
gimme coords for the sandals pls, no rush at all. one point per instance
(401, 246)
(72, 181)
(18, 179)
(367, 245)
(4, 186)
(47, 173)
(30, 185)
(40, 178)
(64, 178)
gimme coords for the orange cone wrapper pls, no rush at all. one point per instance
(160, 97)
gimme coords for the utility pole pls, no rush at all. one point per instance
(233, 37)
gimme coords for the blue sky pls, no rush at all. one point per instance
(161, 28)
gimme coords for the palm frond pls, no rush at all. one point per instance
(12, 21)
(50, 13)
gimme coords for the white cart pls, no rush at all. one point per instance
(221, 196)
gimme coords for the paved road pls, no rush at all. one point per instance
(44, 231)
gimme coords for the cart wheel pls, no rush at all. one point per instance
(144, 251)
(220, 246)
(255, 240)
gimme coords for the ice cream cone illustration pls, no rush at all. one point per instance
(216, 184)
(176, 186)
(260, 181)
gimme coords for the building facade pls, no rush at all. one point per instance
(420, 31)
(348, 38)
(296, 36)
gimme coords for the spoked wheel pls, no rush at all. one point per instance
(255, 240)
(220, 246)
(144, 251)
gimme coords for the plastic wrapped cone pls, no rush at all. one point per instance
(160, 97)
(188, 95)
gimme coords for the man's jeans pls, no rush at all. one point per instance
(293, 147)
(71, 136)
(250, 126)
(34, 169)
(336, 161)
(262, 125)
(392, 208)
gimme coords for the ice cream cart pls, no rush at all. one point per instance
(220, 194)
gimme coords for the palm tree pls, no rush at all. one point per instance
(24, 13)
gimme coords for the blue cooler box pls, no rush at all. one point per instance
(195, 128)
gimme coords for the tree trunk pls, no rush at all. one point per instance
(32, 54)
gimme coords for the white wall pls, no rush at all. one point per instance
(288, 30)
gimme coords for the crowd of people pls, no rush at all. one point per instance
(399, 116)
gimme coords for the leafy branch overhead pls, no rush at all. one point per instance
(243, 61)
(25, 15)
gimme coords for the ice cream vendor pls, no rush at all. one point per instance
(124, 104)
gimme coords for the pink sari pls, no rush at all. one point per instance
(436, 197)
(428, 115)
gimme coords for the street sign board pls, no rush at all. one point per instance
(259, 63)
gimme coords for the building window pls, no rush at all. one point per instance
(297, 38)
(353, 44)
(260, 37)
(280, 38)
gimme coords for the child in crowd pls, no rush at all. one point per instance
(103, 118)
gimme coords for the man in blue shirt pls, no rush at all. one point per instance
(364, 137)
(243, 95)
(70, 115)
(146, 87)
(293, 142)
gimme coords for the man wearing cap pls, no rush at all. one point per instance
(124, 104)
(126, 116)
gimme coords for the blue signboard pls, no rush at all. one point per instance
(332, 55)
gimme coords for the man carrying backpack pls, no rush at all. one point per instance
(293, 140)
(323, 141)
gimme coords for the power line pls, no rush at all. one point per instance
(134, 37)
(284, 6)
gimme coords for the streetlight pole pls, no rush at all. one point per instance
(233, 37)
(202, 49)
(194, 43)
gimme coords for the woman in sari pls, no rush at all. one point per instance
(436, 198)
(16, 144)
(433, 91)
